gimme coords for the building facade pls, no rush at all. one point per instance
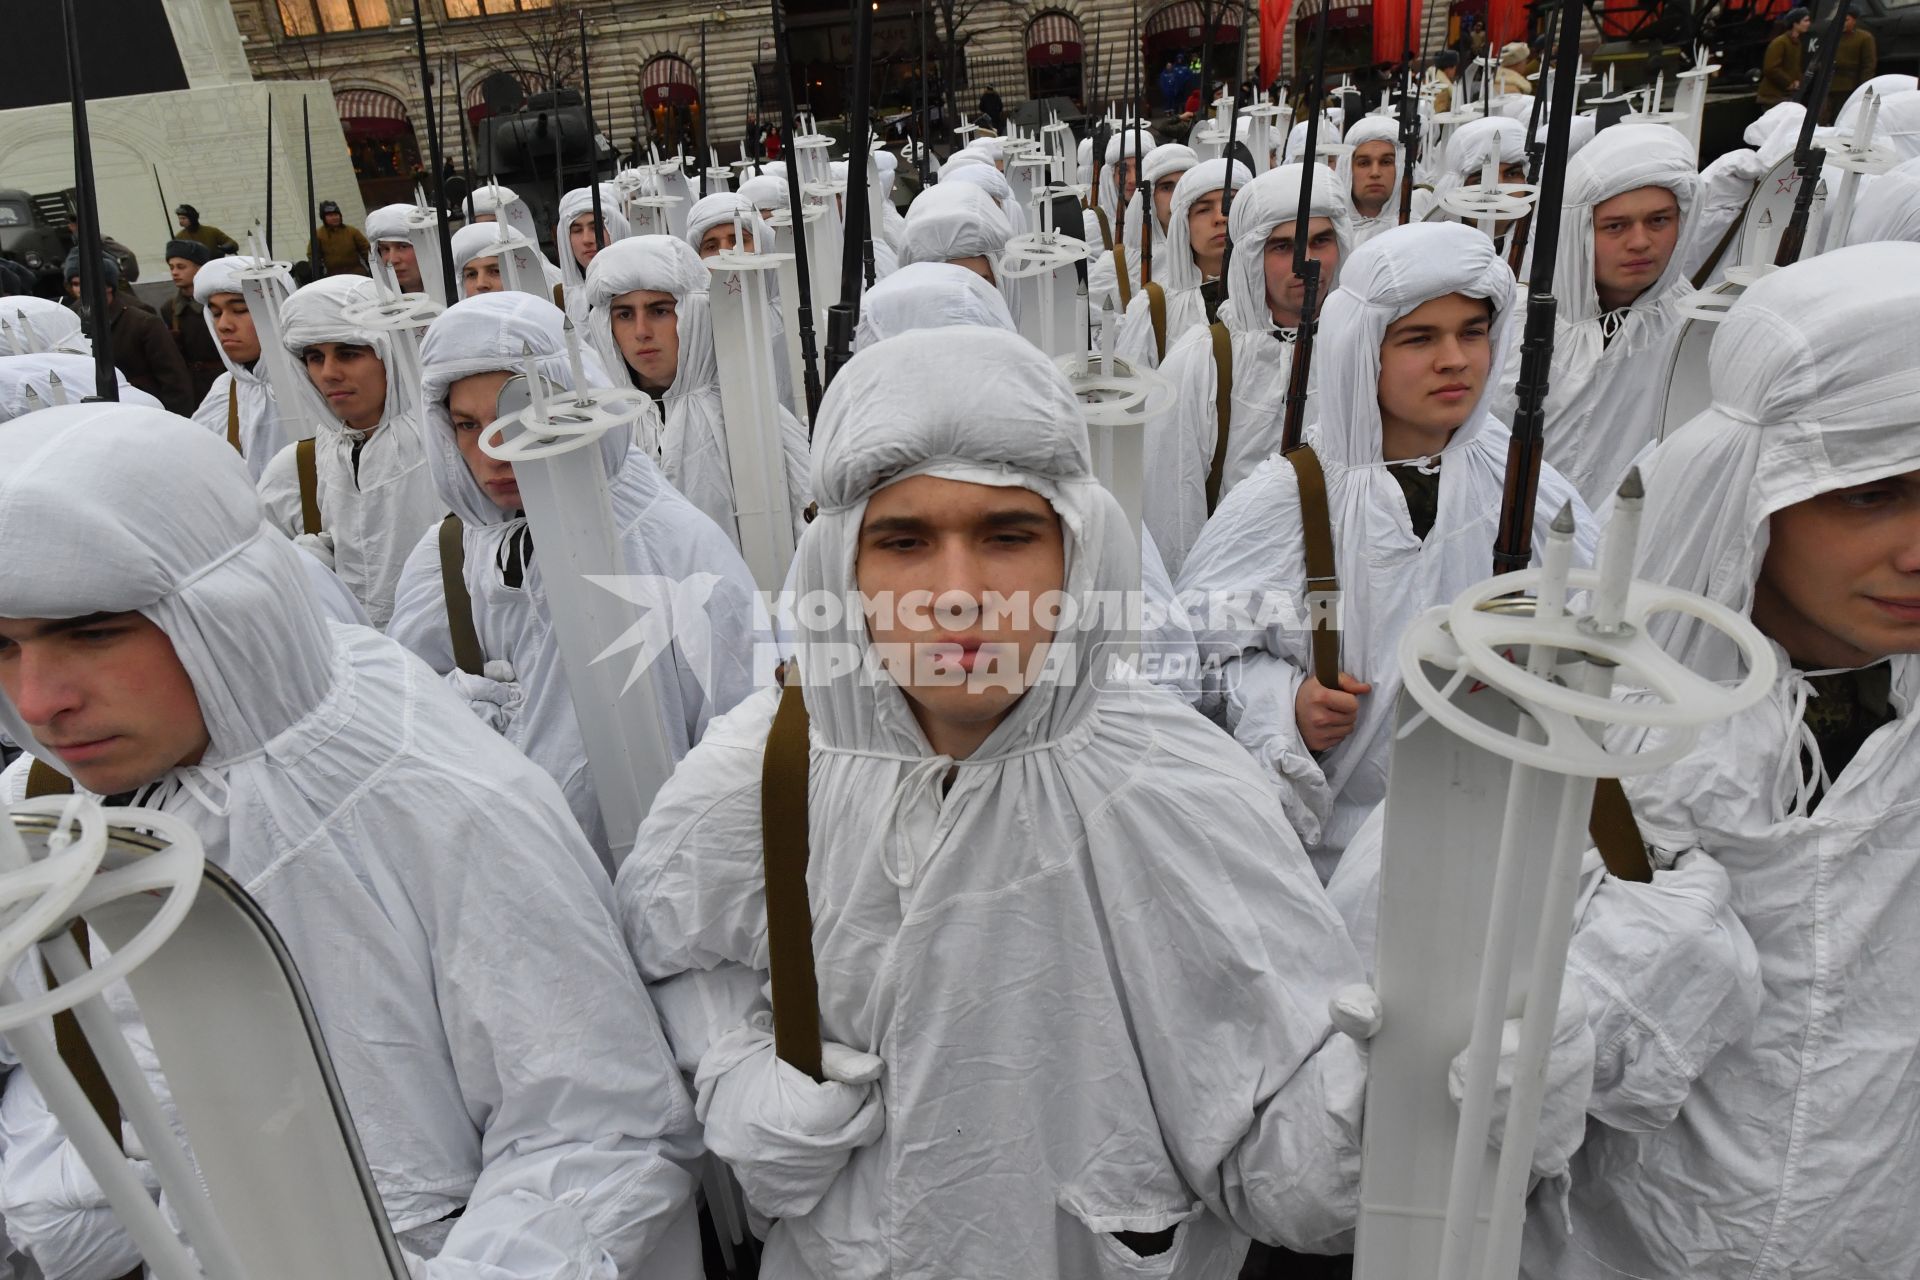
(656, 66)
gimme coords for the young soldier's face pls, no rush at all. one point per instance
(719, 238)
(105, 694)
(352, 379)
(1287, 292)
(1126, 180)
(481, 275)
(403, 262)
(581, 238)
(646, 328)
(1207, 232)
(1634, 235)
(473, 404)
(1840, 585)
(182, 271)
(233, 326)
(1373, 170)
(945, 567)
(1163, 196)
(1434, 363)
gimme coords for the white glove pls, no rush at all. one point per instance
(1563, 1108)
(785, 1137)
(318, 545)
(494, 696)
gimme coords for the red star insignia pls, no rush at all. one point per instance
(1785, 184)
(733, 283)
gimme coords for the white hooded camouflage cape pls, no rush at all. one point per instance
(1096, 966)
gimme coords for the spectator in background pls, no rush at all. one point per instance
(186, 320)
(1171, 82)
(1853, 65)
(994, 111)
(1441, 75)
(143, 350)
(218, 242)
(1780, 72)
(338, 248)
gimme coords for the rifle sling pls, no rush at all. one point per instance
(784, 837)
(467, 653)
(1222, 410)
(1316, 527)
(233, 417)
(1157, 312)
(308, 469)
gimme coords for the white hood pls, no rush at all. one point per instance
(954, 220)
(1890, 209)
(691, 448)
(1374, 129)
(375, 491)
(929, 295)
(573, 205)
(1605, 397)
(388, 222)
(1181, 445)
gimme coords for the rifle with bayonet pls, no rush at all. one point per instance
(844, 315)
(1305, 266)
(93, 254)
(1513, 539)
(1517, 253)
(1808, 159)
(796, 206)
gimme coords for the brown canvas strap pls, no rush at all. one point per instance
(233, 417)
(1614, 832)
(1123, 276)
(1106, 227)
(783, 830)
(1316, 526)
(467, 653)
(1222, 410)
(308, 469)
(45, 780)
(560, 296)
(1157, 309)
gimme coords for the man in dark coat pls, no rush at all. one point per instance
(185, 319)
(143, 350)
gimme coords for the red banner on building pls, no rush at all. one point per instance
(1273, 30)
(1390, 29)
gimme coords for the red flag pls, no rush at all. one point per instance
(1273, 29)
(1390, 28)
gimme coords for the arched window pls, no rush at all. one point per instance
(386, 156)
(670, 98)
(1174, 40)
(1055, 48)
(1349, 38)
